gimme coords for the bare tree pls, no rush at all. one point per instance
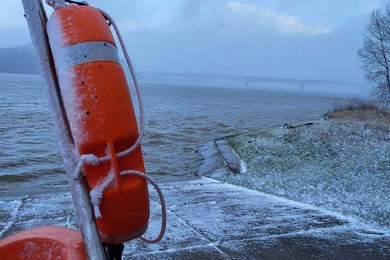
(375, 53)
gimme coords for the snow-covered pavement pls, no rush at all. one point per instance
(208, 219)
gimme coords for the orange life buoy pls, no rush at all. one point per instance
(48, 242)
(101, 116)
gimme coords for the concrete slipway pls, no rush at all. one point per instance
(208, 219)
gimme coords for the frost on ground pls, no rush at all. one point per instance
(343, 166)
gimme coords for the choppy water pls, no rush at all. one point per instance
(179, 119)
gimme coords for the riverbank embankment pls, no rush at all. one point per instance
(340, 163)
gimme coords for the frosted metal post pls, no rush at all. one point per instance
(37, 19)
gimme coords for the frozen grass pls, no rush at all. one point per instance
(363, 111)
(354, 105)
(341, 165)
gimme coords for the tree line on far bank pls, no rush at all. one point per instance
(18, 59)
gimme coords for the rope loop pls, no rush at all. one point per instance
(96, 194)
(162, 202)
(89, 159)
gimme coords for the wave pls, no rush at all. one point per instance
(20, 162)
(17, 178)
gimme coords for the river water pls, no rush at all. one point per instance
(179, 119)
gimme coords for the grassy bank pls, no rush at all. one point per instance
(340, 164)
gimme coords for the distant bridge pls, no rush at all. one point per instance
(246, 80)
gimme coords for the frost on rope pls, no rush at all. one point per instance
(342, 167)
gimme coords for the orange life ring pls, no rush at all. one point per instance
(101, 116)
(48, 242)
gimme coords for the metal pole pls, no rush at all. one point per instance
(37, 20)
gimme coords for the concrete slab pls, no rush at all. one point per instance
(214, 164)
(228, 155)
(208, 219)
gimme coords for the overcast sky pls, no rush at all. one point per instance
(315, 39)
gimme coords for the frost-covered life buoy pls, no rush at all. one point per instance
(99, 109)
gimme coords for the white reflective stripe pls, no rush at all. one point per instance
(84, 52)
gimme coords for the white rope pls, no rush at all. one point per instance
(136, 86)
(96, 194)
(89, 159)
(162, 202)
